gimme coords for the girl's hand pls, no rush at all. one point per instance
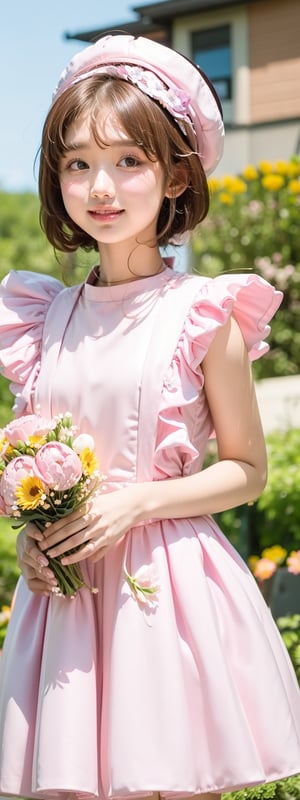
(95, 527)
(32, 563)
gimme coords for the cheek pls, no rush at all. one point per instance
(71, 190)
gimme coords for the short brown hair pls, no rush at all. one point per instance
(145, 122)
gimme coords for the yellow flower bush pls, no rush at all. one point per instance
(253, 225)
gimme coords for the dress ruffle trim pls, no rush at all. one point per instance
(25, 298)
(253, 302)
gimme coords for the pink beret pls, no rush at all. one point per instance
(162, 73)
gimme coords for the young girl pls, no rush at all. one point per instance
(191, 692)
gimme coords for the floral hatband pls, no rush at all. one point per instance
(175, 101)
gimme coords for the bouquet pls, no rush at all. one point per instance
(46, 472)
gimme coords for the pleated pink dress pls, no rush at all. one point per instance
(102, 696)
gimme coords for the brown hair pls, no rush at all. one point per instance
(160, 138)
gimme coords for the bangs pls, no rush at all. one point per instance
(139, 117)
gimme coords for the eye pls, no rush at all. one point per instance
(77, 165)
(129, 161)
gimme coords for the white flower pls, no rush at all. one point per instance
(82, 442)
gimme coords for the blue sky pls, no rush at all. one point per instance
(33, 52)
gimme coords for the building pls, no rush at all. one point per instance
(250, 49)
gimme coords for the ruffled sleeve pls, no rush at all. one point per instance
(184, 419)
(249, 298)
(25, 298)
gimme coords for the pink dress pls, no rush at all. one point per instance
(101, 696)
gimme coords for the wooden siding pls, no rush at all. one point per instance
(274, 60)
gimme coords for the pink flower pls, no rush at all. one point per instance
(293, 562)
(17, 469)
(58, 466)
(24, 427)
(144, 584)
(3, 512)
(264, 568)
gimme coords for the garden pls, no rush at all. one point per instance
(253, 226)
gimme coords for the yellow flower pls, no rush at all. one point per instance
(282, 167)
(5, 615)
(226, 198)
(213, 185)
(36, 440)
(89, 461)
(266, 167)
(272, 182)
(30, 493)
(249, 173)
(227, 181)
(3, 444)
(238, 186)
(252, 561)
(293, 186)
(275, 553)
(293, 169)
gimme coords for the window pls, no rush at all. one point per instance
(211, 50)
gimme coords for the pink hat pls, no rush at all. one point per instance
(163, 74)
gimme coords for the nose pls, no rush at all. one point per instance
(102, 184)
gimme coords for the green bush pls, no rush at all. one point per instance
(253, 226)
(275, 517)
(290, 631)
(23, 245)
(277, 512)
(9, 571)
(288, 789)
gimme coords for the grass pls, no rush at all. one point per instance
(9, 571)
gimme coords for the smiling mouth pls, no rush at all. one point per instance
(105, 213)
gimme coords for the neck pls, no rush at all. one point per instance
(100, 281)
(119, 267)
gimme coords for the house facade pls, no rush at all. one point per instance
(251, 52)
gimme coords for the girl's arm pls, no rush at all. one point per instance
(241, 472)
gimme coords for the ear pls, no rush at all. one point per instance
(177, 183)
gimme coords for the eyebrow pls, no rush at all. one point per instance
(116, 143)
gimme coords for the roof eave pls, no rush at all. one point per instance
(135, 28)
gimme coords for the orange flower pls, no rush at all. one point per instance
(293, 562)
(264, 569)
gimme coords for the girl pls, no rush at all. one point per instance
(191, 692)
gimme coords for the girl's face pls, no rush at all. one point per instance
(112, 192)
